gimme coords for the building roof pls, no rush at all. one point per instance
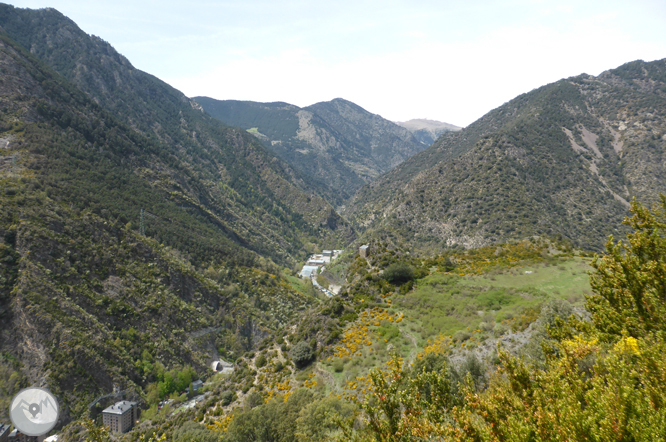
(307, 271)
(4, 429)
(119, 407)
(365, 246)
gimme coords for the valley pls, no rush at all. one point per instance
(361, 279)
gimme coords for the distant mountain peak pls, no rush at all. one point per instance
(424, 123)
(427, 131)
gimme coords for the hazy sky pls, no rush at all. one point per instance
(451, 61)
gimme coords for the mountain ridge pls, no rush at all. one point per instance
(188, 135)
(560, 161)
(336, 143)
(120, 240)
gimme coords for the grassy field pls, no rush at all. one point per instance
(468, 308)
(297, 283)
(566, 278)
(447, 304)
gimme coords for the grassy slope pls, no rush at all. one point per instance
(566, 279)
(446, 304)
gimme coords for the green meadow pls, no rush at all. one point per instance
(498, 300)
(563, 278)
(469, 309)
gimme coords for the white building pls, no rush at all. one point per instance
(308, 271)
(316, 262)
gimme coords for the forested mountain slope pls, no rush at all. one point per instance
(86, 299)
(221, 176)
(562, 160)
(337, 143)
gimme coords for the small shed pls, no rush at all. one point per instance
(364, 251)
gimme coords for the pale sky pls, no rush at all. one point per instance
(451, 61)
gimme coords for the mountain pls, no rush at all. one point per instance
(560, 161)
(337, 143)
(208, 167)
(427, 131)
(137, 234)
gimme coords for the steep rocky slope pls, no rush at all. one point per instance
(561, 161)
(337, 143)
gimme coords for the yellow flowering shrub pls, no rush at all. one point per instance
(221, 425)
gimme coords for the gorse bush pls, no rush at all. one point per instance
(630, 281)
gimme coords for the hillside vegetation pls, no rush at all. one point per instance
(581, 377)
(236, 190)
(563, 161)
(132, 248)
(141, 239)
(600, 380)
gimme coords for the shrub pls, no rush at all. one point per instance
(302, 354)
(399, 273)
(228, 397)
(260, 361)
(461, 336)
(191, 431)
(253, 400)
